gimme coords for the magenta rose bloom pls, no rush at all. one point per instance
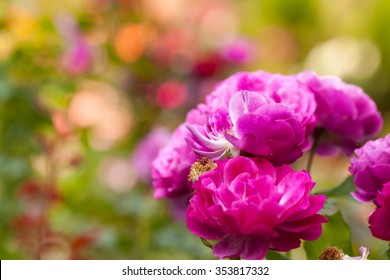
(209, 140)
(250, 207)
(197, 115)
(379, 220)
(171, 167)
(348, 114)
(283, 89)
(264, 128)
(219, 98)
(370, 168)
(277, 126)
(288, 91)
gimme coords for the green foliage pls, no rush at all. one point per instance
(291, 11)
(274, 255)
(343, 190)
(387, 253)
(335, 233)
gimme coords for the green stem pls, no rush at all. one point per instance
(310, 160)
(206, 243)
(317, 136)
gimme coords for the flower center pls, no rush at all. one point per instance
(200, 167)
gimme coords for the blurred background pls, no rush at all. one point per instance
(91, 89)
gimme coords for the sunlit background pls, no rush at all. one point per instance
(91, 89)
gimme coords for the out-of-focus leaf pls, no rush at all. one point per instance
(290, 11)
(176, 237)
(13, 168)
(387, 253)
(273, 255)
(335, 233)
(342, 190)
(5, 90)
(328, 205)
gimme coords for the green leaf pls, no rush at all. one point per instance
(342, 190)
(387, 253)
(273, 255)
(335, 233)
(5, 90)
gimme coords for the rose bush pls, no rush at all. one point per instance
(250, 126)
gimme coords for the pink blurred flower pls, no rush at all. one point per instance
(379, 220)
(117, 174)
(147, 150)
(104, 110)
(207, 65)
(239, 51)
(77, 58)
(172, 94)
(250, 207)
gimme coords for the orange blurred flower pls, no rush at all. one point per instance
(131, 41)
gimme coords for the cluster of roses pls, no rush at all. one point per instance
(230, 159)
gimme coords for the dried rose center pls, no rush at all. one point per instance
(332, 253)
(200, 167)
